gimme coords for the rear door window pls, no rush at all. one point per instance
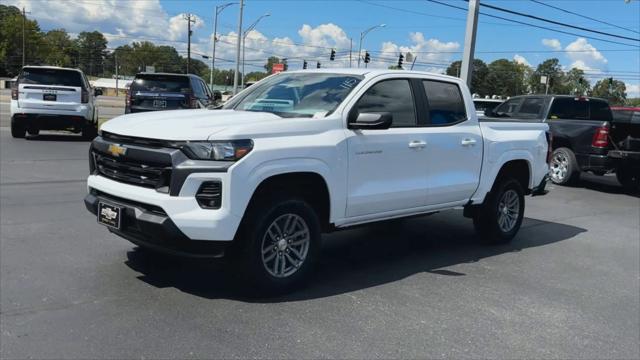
(44, 76)
(569, 108)
(161, 83)
(445, 102)
(599, 110)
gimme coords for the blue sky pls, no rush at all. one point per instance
(306, 29)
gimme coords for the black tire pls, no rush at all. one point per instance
(89, 131)
(629, 177)
(254, 240)
(18, 131)
(564, 169)
(487, 220)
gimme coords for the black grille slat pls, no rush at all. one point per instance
(133, 172)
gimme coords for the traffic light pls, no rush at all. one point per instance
(318, 65)
(367, 57)
(400, 60)
(333, 55)
(304, 64)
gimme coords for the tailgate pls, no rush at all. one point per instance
(158, 101)
(33, 96)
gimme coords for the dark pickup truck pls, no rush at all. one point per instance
(584, 133)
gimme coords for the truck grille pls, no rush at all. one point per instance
(131, 171)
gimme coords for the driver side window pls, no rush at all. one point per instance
(393, 96)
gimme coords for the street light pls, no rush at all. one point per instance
(362, 35)
(244, 36)
(219, 9)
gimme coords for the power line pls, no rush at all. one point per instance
(555, 22)
(533, 25)
(584, 16)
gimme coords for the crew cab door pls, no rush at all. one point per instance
(387, 167)
(454, 145)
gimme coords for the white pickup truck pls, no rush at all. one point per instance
(306, 152)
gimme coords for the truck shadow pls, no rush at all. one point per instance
(357, 259)
(605, 184)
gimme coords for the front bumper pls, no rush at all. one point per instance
(150, 227)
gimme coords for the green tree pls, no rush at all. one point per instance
(92, 48)
(60, 48)
(505, 78)
(256, 76)
(480, 72)
(615, 91)
(11, 21)
(575, 82)
(553, 70)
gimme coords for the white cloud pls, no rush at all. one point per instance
(520, 60)
(633, 90)
(585, 56)
(552, 43)
(435, 53)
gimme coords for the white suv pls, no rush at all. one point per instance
(53, 98)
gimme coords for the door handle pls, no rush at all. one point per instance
(467, 142)
(417, 144)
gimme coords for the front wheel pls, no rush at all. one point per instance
(282, 238)
(629, 177)
(499, 218)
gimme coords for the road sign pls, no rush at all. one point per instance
(150, 69)
(277, 68)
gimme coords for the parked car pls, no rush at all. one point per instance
(582, 129)
(164, 91)
(306, 152)
(53, 98)
(483, 105)
(625, 139)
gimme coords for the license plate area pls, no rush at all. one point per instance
(160, 103)
(110, 215)
(49, 97)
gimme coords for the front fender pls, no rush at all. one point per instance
(250, 179)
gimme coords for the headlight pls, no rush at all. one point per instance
(232, 150)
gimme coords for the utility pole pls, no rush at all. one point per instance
(24, 23)
(244, 37)
(470, 41)
(350, 50)
(219, 9)
(189, 19)
(115, 55)
(238, 43)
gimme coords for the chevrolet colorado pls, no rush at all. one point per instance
(306, 152)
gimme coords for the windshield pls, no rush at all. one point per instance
(297, 95)
(47, 76)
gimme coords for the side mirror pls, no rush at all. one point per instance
(97, 92)
(217, 96)
(371, 121)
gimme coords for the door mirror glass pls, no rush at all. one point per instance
(97, 92)
(379, 121)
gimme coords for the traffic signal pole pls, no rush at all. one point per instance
(238, 44)
(470, 41)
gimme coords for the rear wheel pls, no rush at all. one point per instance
(629, 177)
(89, 131)
(17, 130)
(499, 218)
(281, 244)
(564, 168)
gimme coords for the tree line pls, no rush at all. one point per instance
(504, 78)
(89, 52)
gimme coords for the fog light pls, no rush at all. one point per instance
(209, 195)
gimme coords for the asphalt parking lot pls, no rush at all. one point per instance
(567, 287)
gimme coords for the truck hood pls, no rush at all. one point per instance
(206, 124)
